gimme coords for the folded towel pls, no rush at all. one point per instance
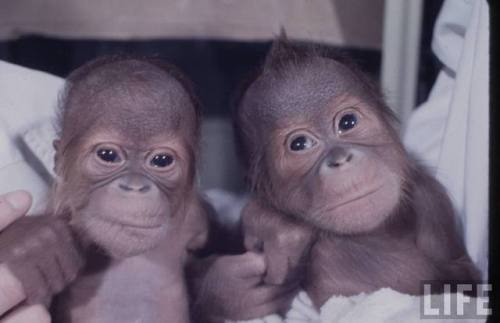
(383, 306)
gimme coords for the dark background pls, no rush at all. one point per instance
(215, 67)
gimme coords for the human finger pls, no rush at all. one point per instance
(11, 290)
(13, 205)
(32, 313)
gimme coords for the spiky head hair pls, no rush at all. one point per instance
(292, 68)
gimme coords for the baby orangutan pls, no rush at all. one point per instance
(125, 162)
(337, 201)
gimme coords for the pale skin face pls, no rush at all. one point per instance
(321, 148)
(340, 172)
(127, 172)
(130, 179)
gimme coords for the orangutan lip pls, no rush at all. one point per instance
(135, 226)
(132, 225)
(362, 196)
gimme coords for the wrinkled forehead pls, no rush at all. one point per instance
(140, 103)
(300, 91)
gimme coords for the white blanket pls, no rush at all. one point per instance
(382, 306)
(450, 131)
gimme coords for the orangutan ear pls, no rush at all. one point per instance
(57, 144)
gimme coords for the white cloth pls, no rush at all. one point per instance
(382, 306)
(28, 101)
(450, 130)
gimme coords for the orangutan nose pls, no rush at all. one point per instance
(134, 184)
(338, 157)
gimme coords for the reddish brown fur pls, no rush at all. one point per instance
(135, 219)
(366, 214)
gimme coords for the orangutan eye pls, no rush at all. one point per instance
(162, 160)
(347, 122)
(108, 155)
(301, 142)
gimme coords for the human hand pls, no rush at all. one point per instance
(38, 257)
(13, 206)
